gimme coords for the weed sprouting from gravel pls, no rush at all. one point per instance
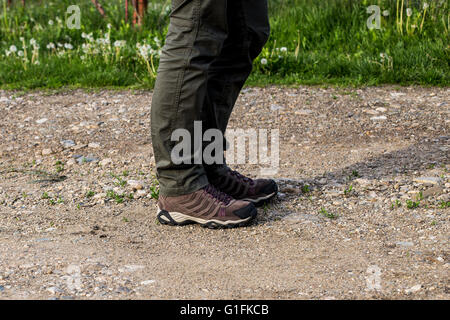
(327, 214)
(306, 189)
(90, 194)
(412, 204)
(348, 190)
(114, 196)
(444, 204)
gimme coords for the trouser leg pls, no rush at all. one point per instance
(248, 32)
(197, 31)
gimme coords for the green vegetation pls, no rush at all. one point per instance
(327, 214)
(312, 42)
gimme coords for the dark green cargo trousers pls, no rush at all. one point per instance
(208, 55)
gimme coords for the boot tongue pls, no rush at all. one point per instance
(241, 177)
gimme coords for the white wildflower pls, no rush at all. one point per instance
(263, 61)
(283, 49)
(50, 22)
(386, 13)
(119, 43)
(20, 53)
(425, 5)
(68, 46)
(409, 12)
(13, 48)
(50, 46)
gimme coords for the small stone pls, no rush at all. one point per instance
(41, 121)
(2, 288)
(372, 195)
(47, 152)
(303, 112)
(428, 180)
(67, 143)
(131, 268)
(414, 289)
(147, 282)
(54, 290)
(379, 118)
(105, 162)
(381, 109)
(291, 190)
(94, 145)
(83, 159)
(71, 162)
(371, 112)
(141, 193)
(404, 243)
(362, 182)
(433, 191)
(135, 185)
(276, 107)
(79, 146)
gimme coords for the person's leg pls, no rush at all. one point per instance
(196, 34)
(248, 31)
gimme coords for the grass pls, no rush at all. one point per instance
(327, 214)
(312, 42)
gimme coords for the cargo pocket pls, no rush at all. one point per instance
(183, 24)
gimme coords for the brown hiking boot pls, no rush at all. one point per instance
(208, 207)
(233, 183)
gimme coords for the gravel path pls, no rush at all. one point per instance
(362, 213)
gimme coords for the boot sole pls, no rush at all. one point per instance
(261, 200)
(180, 219)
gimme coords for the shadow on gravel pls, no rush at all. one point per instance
(418, 157)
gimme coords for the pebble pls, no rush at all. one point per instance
(414, 289)
(135, 185)
(105, 162)
(433, 191)
(303, 112)
(54, 290)
(147, 282)
(83, 159)
(67, 143)
(404, 243)
(276, 107)
(41, 121)
(379, 118)
(131, 268)
(428, 180)
(47, 152)
(94, 145)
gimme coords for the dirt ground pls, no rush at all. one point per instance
(362, 213)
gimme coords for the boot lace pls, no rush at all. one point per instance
(218, 195)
